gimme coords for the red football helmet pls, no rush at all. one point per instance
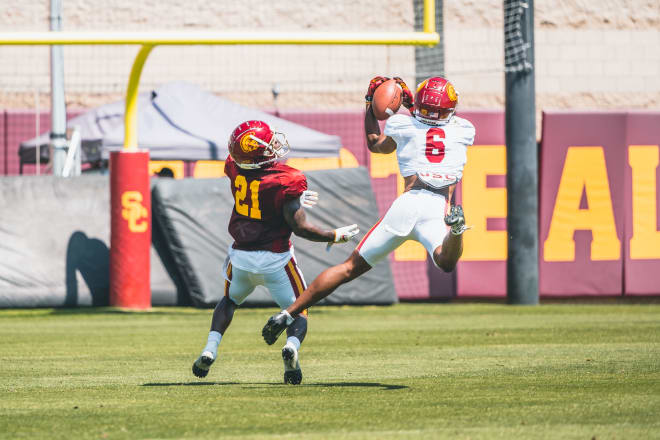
(253, 144)
(435, 101)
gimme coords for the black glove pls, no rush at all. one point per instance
(275, 326)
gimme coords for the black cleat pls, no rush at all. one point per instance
(456, 220)
(203, 364)
(274, 327)
(292, 371)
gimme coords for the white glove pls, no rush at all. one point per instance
(343, 234)
(309, 198)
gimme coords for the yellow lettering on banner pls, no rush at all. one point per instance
(346, 159)
(584, 169)
(384, 165)
(645, 241)
(134, 212)
(176, 166)
(410, 251)
(313, 163)
(481, 203)
(209, 169)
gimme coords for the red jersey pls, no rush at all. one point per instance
(257, 221)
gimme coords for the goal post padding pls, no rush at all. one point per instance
(130, 237)
(55, 244)
(194, 214)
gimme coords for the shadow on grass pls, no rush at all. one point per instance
(332, 385)
(121, 311)
(186, 384)
(358, 384)
(258, 384)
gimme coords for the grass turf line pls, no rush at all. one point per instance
(409, 371)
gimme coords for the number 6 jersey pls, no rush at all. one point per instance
(427, 149)
(257, 221)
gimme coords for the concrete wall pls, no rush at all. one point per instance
(589, 53)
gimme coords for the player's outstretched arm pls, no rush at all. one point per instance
(295, 216)
(376, 141)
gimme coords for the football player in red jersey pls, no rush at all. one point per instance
(268, 206)
(431, 148)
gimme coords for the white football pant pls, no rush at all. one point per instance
(284, 284)
(415, 215)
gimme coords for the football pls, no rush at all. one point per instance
(387, 99)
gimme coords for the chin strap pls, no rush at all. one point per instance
(434, 122)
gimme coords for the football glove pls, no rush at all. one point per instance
(408, 99)
(309, 198)
(275, 326)
(343, 234)
(373, 85)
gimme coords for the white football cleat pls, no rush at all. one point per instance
(292, 371)
(203, 364)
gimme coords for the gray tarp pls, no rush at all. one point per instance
(180, 121)
(54, 239)
(54, 244)
(194, 214)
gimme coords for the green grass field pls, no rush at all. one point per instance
(466, 371)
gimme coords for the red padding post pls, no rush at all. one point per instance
(130, 229)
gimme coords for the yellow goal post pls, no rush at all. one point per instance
(130, 197)
(148, 40)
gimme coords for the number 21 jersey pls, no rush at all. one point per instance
(257, 221)
(422, 148)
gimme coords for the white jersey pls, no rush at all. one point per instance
(429, 149)
(437, 154)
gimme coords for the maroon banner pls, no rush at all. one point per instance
(21, 126)
(3, 142)
(582, 203)
(18, 126)
(130, 229)
(642, 174)
(481, 271)
(599, 226)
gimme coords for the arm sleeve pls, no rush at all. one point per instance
(394, 127)
(391, 126)
(469, 135)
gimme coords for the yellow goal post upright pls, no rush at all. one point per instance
(130, 190)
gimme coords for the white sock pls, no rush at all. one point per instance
(212, 343)
(292, 340)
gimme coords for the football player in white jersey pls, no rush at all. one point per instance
(431, 146)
